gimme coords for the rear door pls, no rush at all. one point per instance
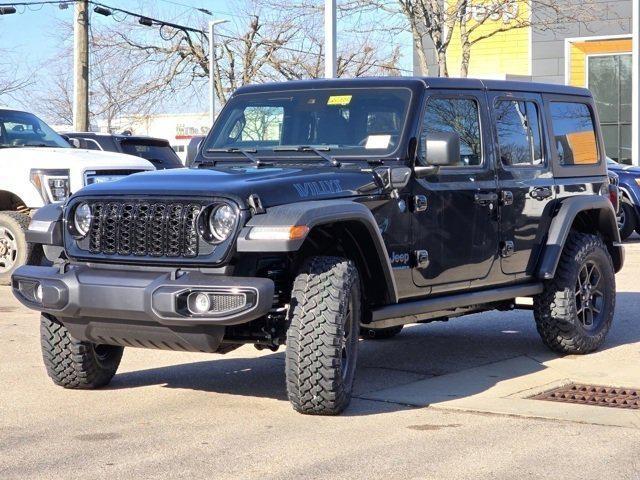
(525, 180)
(454, 224)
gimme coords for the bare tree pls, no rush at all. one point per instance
(12, 79)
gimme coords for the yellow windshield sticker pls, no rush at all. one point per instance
(339, 100)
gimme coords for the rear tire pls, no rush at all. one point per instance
(75, 364)
(380, 333)
(626, 219)
(574, 313)
(14, 249)
(322, 340)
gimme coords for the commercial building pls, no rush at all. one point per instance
(597, 52)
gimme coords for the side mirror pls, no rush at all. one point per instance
(75, 142)
(442, 149)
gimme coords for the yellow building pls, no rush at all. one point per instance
(596, 55)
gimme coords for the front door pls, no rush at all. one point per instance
(455, 226)
(525, 180)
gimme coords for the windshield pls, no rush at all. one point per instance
(21, 129)
(159, 153)
(344, 121)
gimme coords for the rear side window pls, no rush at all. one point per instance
(455, 115)
(519, 138)
(574, 134)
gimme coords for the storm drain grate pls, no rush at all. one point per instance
(593, 395)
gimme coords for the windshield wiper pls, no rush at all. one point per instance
(246, 152)
(307, 148)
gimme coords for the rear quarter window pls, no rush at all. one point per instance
(574, 134)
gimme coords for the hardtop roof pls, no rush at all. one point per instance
(419, 82)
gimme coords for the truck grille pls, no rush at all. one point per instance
(145, 229)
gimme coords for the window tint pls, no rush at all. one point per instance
(458, 115)
(574, 133)
(518, 127)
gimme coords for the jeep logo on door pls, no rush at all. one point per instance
(315, 189)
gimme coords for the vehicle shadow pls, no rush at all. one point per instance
(419, 352)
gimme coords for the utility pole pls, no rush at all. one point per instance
(635, 79)
(330, 56)
(81, 67)
(212, 63)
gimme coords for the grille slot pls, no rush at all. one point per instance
(155, 229)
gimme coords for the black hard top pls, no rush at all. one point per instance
(419, 82)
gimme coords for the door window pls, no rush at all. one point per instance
(519, 138)
(574, 134)
(454, 115)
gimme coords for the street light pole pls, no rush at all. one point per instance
(212, 84)
(81, 67)
(635, 88)
(330, 56)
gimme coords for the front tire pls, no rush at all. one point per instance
(626, 219)
(575, 311)
(322, 340)
(73, 363)
(14, 249)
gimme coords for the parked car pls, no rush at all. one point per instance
(317, 212)
(156, 150)
(39, 168)
(629, 185)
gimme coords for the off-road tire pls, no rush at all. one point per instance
(27, 253)
(630, 223)
(324, 322)
(380, 333)
(556, 308)
(75, 364)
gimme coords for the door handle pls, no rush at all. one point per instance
(486, 198)
(541, 193)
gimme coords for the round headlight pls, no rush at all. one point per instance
(82, 219)
(222, 221)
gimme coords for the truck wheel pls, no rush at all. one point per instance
(575, 311)
(75, 364)
(380, 333)
(626, 219)
(322, 340)
(14, 249)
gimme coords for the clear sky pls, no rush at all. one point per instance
(32, 35)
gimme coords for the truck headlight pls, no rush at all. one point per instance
(82, 220)
(53, 185)
(222, 222)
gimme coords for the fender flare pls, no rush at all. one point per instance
(313, 214)
(567, 211)
(46, 226)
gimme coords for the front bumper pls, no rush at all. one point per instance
(151, 297)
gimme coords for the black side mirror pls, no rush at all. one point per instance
(442, 149)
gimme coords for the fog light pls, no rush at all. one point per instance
(39, 295)
(199, 303)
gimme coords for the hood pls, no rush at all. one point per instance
(44, 157)
(274, 185)
(618, 168)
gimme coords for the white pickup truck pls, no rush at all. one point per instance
(39, 167)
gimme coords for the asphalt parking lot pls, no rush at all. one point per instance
(444, 400)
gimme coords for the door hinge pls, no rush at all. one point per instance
(506, 198)
(420, 203)
(507, 248)
(422, 258)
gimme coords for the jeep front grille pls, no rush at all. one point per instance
(144, 228)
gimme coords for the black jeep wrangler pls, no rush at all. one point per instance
(320, 212)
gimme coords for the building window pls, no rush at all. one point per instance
(609, 79)
(519, 138)
(574, 133)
